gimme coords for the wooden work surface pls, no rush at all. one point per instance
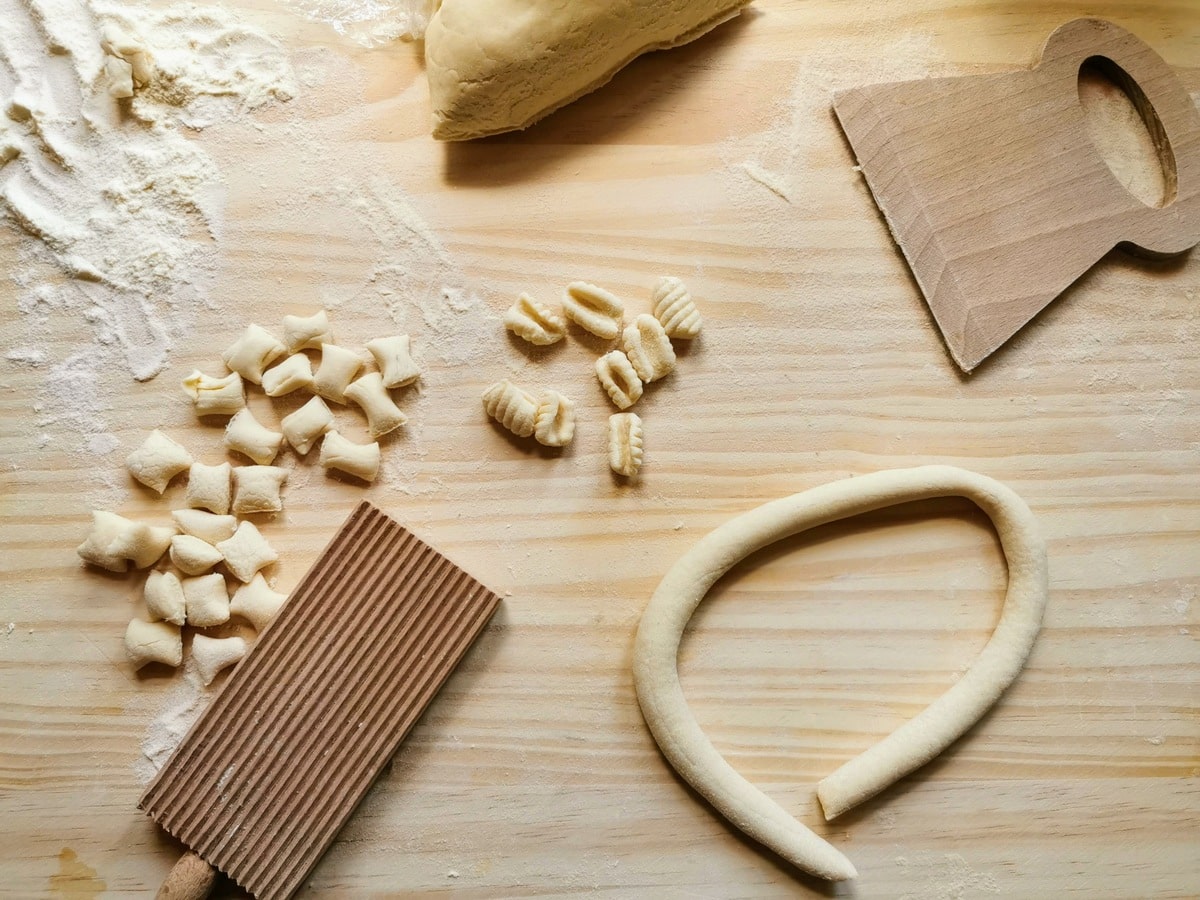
(532, 773)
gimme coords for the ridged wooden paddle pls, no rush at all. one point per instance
(275, 766)
(995, 192)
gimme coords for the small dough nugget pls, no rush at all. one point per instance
(337, 369)
(554, 424)
(292, 374)
(619, 379)
(247, 552)
(115, 541)
(164, 598)
(625, 444)
(649, 349)
(256, 602)
(251, 353)
(148, 642)
(214, 654)
(157, 461)
(500, 65)
(215, 396)
(593, 309)
(306, 332)
(383, 415)
(512, 407)
(209, 487)
(207, 526)
(246, 435)
(359, 460)
(674, 307)
(394, 357)
(303, 427)
(534, 322)
(206, 599)
(256, 489)
(193, 556)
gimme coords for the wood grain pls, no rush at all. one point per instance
(996, 191)
(533, 775)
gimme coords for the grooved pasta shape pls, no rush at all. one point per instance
(554, 422)
(688, 749)
(674, 308)
(593, 309)
(649, 349)
(619, 379)
(534, 322)
(625, 439)
(512, 407)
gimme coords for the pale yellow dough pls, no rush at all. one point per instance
(500, 65)
(688, 749)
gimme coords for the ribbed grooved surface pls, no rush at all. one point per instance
(279, 760)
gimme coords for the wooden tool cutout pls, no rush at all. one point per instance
(267, 776)
(995, 192)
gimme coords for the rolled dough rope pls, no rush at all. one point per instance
(684, 744)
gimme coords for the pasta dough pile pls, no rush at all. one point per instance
(207, 565)
(645, 355)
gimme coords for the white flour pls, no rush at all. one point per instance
(370, 23)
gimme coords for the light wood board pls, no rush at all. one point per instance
(532, 773)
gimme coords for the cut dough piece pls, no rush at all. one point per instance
(207, 600)
(246, 435)
(619, 379)
(383, 415)
(394, 357)
(512, 407)
(247, 552)
(256, 489)
(215, 396)
(147, 642)
(305, 425)
(306, 332)
(534, 322)
(193, 556)
(164, 598)
(115, 541)
(674, 307)
(214, 654)
(625, 440)
(157, 461)
(593, 309)
(554, 424)
(292, 374)
(337, 369)
(684, 744)
(256, 602)
(649, 349)
(209, 487)
(359, 460)
(500, 65)
(207, 526)
(251, 353)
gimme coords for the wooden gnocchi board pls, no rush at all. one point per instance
(532, 773)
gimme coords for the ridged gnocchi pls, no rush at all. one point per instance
(512, 407)
(593, 309)
(554, 422)
(674, 308)
(625, 439)
(619, 379)
(534, 322)
(648, 348)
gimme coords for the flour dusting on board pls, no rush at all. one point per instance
(370, 23)
(945, 877)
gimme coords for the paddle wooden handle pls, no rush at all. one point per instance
(191, 879)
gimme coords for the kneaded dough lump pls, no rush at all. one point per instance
(500, 65)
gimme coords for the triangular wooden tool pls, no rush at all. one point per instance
(995, 192)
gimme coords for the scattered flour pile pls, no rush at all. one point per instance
(370, 23)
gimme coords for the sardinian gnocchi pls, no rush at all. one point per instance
(554, 422)
(619, 379)
(593, 309)
(649, 349)
(512, 407)
(534, 322)
(625, 439)
(674, 308)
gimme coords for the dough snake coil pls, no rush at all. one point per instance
(688, 749)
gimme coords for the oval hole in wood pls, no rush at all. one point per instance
(1126, 132)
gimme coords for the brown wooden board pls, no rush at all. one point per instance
(279, 760)
(995, 192)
